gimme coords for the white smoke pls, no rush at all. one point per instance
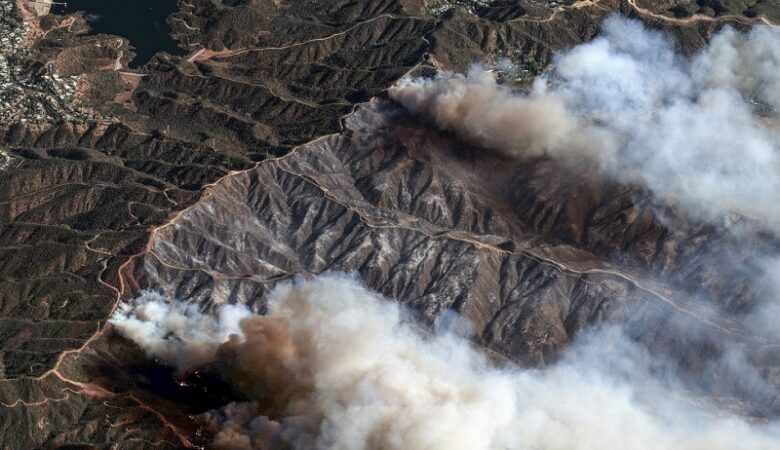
(334, 366)
(178, 333)
(700, 130)
(763, 314)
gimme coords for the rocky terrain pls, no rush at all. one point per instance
(271, 150)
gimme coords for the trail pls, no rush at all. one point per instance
(204, 54)
(648, 13)
(699, 17)
(580, 4)
(166, 423)
(66, 23)
(436, 232)
(530, 253)
(225, 77)
(90, 389)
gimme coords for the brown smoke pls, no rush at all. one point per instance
(268, 362)
(334, 366)
(479, 111)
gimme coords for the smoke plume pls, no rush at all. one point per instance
(700, 130)
(334, 366)
(178, 333)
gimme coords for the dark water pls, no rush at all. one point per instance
(142, 22)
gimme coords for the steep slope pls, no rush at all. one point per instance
(417, 216)
(97, 208)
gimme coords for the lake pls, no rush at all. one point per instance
(142, 22)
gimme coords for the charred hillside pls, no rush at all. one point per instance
(272, 150)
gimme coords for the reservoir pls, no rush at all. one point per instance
(142, 22)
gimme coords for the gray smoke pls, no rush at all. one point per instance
(335, 366)
(698, 130)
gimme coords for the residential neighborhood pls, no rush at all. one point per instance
(30, 90)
